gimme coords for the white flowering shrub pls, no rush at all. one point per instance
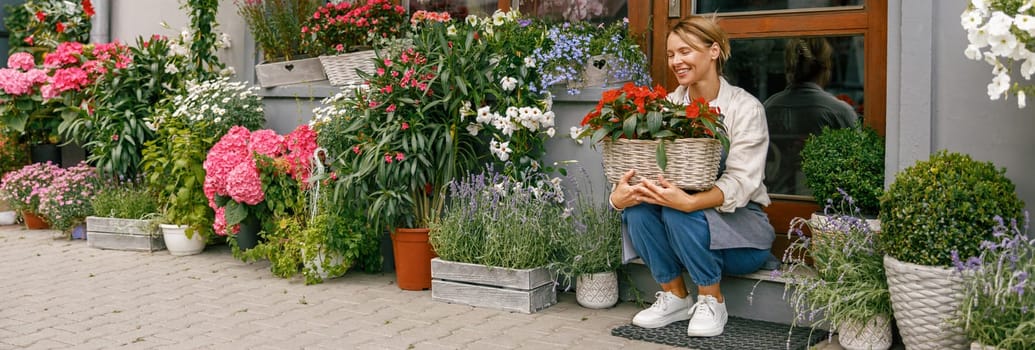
(221, 103)
(1002, 33)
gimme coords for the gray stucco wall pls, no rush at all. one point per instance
(937, 97)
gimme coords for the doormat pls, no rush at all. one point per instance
(740, 333)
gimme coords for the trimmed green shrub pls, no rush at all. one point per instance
(850, 159)
(947, 203)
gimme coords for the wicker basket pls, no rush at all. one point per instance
(923, 298)
(341, 69)
(693, 163)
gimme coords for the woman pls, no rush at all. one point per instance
(721, 230)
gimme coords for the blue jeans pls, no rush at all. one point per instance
(669, 240)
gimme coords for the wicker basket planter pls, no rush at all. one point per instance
(923, 297)
(122, 234)
(341, 69)
(526, 291)
(289, 72)
(875, 334)
(693, 163)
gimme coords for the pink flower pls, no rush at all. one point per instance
(355, 149)
(388, 158)
(399, 156)
(244, 185)
(391, 108)
(266, 142)
(405, 125)
(21, 60)
(219, 224)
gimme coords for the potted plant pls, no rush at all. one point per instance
(186, 128)
(592, 250)
(287, 54)
(19, 189)
(65, 202)
(846, 160)
(344, 33)
(497, 237)
(253, 177)
(641, 129)
(844, 277)
(934, 208)
(13, 156)
(995, 306)
(22, 108)
(38, 26)
(584, 54)
(121, 220)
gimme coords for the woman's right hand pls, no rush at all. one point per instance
(624, 194)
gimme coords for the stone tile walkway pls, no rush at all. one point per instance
(60, 294)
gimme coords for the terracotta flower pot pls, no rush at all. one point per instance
(34, 222)
(413, 256)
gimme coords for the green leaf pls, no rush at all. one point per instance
(661, 155)
(629, 127)
(654, 122)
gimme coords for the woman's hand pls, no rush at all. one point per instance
(623, 196)
(664, 194)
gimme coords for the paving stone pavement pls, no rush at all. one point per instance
(61, 294)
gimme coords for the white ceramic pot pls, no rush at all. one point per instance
(178, 244)
(8, 217)
(874, 335)
(597, 290)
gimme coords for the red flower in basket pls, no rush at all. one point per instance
(642, 113)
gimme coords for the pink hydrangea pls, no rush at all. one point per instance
(232, 149)
(21, 60)
(266, 142)
(219, 224)
(244, 185)
(69, 79)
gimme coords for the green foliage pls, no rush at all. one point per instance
(30, 34)
(849, 160)
(846, 281)
(997, 307)
(495, 221)
(276, 26)
(114, 134)
(124, 200)
(593, 244)
(203, 61)
(944, 204)
(173, 164)
(13, 154)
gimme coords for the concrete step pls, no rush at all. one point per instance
(757, 296)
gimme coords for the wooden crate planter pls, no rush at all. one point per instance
(122, 234)
(289, 72)
(526, 291)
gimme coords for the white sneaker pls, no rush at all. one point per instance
(666, 309)
(708, 317)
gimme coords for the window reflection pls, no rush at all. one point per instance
(805, 83)
(458, 9)
(709, 6)
(597, 11)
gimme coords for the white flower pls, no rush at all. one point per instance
(971, 20)
(980, 5)
(999, 85)
(548, 119)
(978, 37)
(1003, 45)
(228, 71)
(1028, 67)
(999, 24)
(567, 213)
(574, 133)
(529, 62)
(534, 165)
(1027, 6)
(472, 20)
(217, 119)
(224, 41)
(550, 132)
(171, 69)
(451, 30)
(499, 18)
(1021, 99)
(508, 83)
(1025, 23)
(474, 128)
(484, 115)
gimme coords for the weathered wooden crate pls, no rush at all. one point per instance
(122, 234)
(525, 291)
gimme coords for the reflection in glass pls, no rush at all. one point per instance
(458, 9)
(597, 11)
(807, 83)
(721, 6)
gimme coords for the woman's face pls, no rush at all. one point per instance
(689, 64)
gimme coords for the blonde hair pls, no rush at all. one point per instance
(704, 29)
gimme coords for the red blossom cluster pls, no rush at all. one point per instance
(344, 25)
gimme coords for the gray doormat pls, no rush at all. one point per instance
(740, 333)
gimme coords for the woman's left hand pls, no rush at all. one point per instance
(664, 194)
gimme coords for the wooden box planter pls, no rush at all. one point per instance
(289, 72)
(122, 234)
(526, 291)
